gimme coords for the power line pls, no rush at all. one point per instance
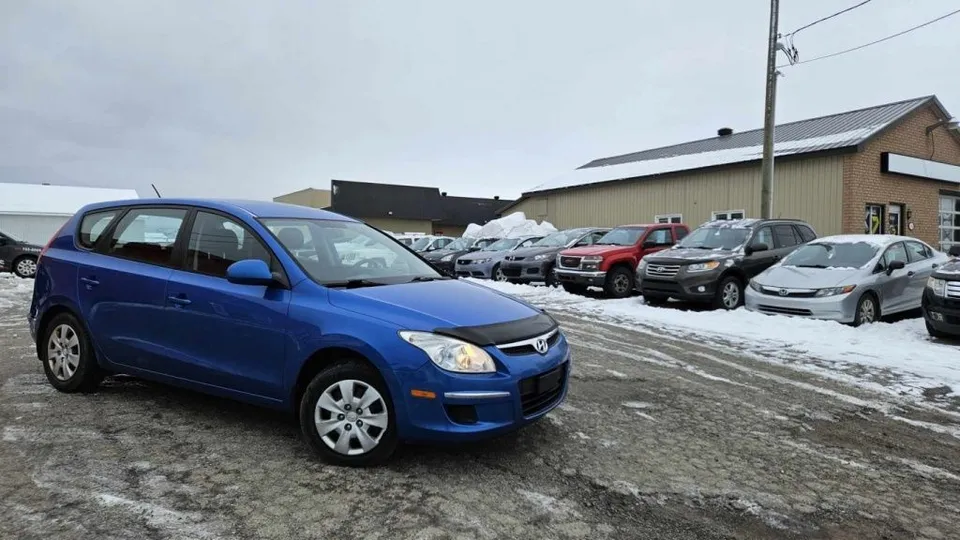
(865, 45)
(828, 17)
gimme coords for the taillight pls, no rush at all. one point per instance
(52, 238)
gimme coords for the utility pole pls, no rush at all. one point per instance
(766, 190)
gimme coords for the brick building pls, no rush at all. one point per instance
(893, 168)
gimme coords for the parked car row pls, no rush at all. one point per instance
(18, 256)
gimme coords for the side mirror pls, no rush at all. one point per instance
(895, 265)
(750, 250)
(647, 244)
(250, 272)
(954, 250)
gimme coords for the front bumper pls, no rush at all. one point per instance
(5, 266)
(477, 270)
(700, 287)
(943, 314)
(580, 277)
(526, 270)
(472, 407)
(840, 308)
(444, 266)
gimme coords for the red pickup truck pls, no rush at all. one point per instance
(611, 262)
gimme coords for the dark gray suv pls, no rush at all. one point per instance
(714, 263)
(18, 257)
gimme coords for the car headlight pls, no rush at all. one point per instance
(937, 286)
(641, 265)
(834, 291)
(592, 258)
(540, 257)
(447, 258)
(481, 261)
(755, 285)
(704, 266)
(451, 354)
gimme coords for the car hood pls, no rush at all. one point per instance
(438, 254)
(792, 277)
(593, 250)
(534, 251)
(495, 255)
(687, 255)
(949, 271)
(433, 304)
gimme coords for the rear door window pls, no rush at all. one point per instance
(147, 235)
(917, 252)
(93, 225)
(786, 237)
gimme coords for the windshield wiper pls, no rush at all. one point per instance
(811, 266)
(427, 278)
(354, 284)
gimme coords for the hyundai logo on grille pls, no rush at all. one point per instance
(541, 346)
(784, 292)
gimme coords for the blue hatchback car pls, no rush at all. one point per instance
(254, 301)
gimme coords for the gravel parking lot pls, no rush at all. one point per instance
(661, 437)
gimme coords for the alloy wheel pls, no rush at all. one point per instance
(351, 417)
(63, 352)
(498, 275)
(27, 267)
(868, 312)
(621, 283)
(731, 295)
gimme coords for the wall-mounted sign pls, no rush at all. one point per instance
(919, 168)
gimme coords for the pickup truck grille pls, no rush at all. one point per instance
(570, 262)
(953, 289)
(662, 270)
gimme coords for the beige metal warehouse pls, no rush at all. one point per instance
(892, 168)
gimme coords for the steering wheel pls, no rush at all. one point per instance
(371, 263)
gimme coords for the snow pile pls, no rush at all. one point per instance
(898, 358)
(14, 291)
(514, 225)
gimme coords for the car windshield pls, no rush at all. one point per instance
(421, 243)
(559, 239)
(829, 255)
(460, 244)
(726, 238)
(621, 236)
(325, 251)
(502, 245)
(480, 244)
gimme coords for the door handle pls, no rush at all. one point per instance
(89, 281)
(934, 265)
(910, 273)
(179, 300)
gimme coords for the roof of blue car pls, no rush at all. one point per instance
(260, 209)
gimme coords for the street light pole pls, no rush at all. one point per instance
(766, 189)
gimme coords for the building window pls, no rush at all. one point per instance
(726, 215)
(949, 221)
(668, 218)
(873, 219)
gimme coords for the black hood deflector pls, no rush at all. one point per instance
(505, 332)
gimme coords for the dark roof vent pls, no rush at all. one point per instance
(496, 197)
(724, 132)
(443, 193)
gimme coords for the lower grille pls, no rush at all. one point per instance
(662, 270)
(510, 271)
(784, 310)
(540, 392)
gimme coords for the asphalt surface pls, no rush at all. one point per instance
(660, 437)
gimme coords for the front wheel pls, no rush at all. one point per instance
(347, 417)
(619, 283)
(867, 310)
(67, 355)
(25, 267)
(729, 294)
(934, 333)
(551, 278)
(498, 274)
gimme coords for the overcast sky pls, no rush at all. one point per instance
(244, 98)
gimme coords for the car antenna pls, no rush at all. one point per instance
(156, 191)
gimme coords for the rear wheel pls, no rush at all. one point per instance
(619, 282)
(25, 267)
(347, 417)
(729, 294)
(67, 355)
(867, 310)
(574, 289)
(655, 299)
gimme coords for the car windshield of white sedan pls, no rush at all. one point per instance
(827, 255)
(725, 238)
(421, 243)
(460, 244)
(348, 254)
(622, 236)
(502, 245)
(559, 239)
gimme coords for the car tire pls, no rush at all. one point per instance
(574, 289)
(619, 283)
(496, 274)
(868, 311)
(334, 429)
(655, 299)
(937, 334)
(551, 278)
(729, 295)
(68, 357)
(25, 267)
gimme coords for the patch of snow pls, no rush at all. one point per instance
(745, 223)
(636, 405)
(617, 374)
(646, 416)
(14, 291)
(928, 471)
(513, 225)
(651, 167)
(900, 352)
(48, 435)
(875, 240)
(551, 505)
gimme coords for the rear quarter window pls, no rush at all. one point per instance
(806, 233)
(92, 226)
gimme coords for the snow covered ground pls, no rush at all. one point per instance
(15, 291)
(897, 358)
